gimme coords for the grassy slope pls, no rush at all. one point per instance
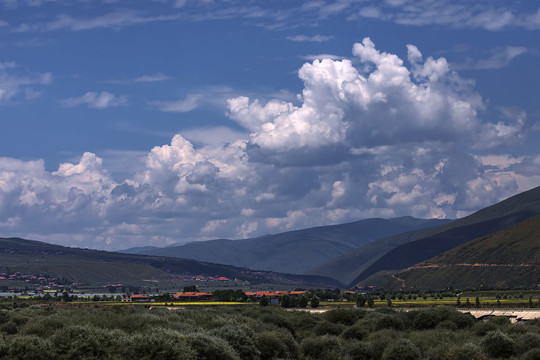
(508, 258)
(294, 251)
(403, 250)
(101, 267)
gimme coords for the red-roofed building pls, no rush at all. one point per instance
(193, 296)
(137, 298)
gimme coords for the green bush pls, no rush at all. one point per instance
(30, 347)
(157, 344)
(356, 350)
(210, 347)
(380, 340)
(527, 341)
(328, 328)
(425, 320)
(401, 349)
(344, 316)
(497, 344)
(482, 328)
(281, 320)
(242, 343)
(466, 351)
(354, 332)
(84, 341)
(3, 348)
(533, 354)
(274, 344)
(389, 321)
(321, 347)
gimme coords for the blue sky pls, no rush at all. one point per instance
(128, 123)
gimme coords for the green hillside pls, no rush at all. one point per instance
(404, 250)
(98, 268)
(508, 258)
(294, 251)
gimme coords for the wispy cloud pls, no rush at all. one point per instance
(116, 19)
(499, 58)
(307, 38)
(191, 102)
(458, 14)
(321, 56)
(94, 100)
(152, 78)
(13, 84)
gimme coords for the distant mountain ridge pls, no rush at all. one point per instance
(508, 258)
(97, 267)
(423, 245)
(296, 251)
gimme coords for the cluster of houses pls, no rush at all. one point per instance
(273, 297)
(40, 282)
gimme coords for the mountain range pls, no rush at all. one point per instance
(98, 268)
(294, 252)
(496, 247)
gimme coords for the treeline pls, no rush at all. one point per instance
(260, 333)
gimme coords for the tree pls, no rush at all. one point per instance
(191, 288)
(264, 301)
(314, 301)
(65, 297)
(477, 302)
(303, 301)
(286, 301)
(458, 301)
(370, 302)
(468, 303)
(389, 300)
(530, 302)
(360, 301)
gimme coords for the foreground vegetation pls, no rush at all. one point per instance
(256, 332)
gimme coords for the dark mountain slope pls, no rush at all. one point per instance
(294, 251)
(97, 267)
(421, 245)
(508, 258)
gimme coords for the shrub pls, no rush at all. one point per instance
(447, 324)
(527, 341)
(314, 302)
(466, 351)
(380, 340)
(210, 347)
(482, 328)
(389, 322)
(356, 350)
(328, 328)
(533, 354)
(425, 320)
(321, 347)
(274, 344)
(500, 321)
(84, 341)
(402, 349)
(3, 348)
(243, 344)
(160, 344)
(498, 344)
(280, 320)
(344, 316)
(355, 332)
(30, 347)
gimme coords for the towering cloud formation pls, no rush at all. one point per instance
(367, 137)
